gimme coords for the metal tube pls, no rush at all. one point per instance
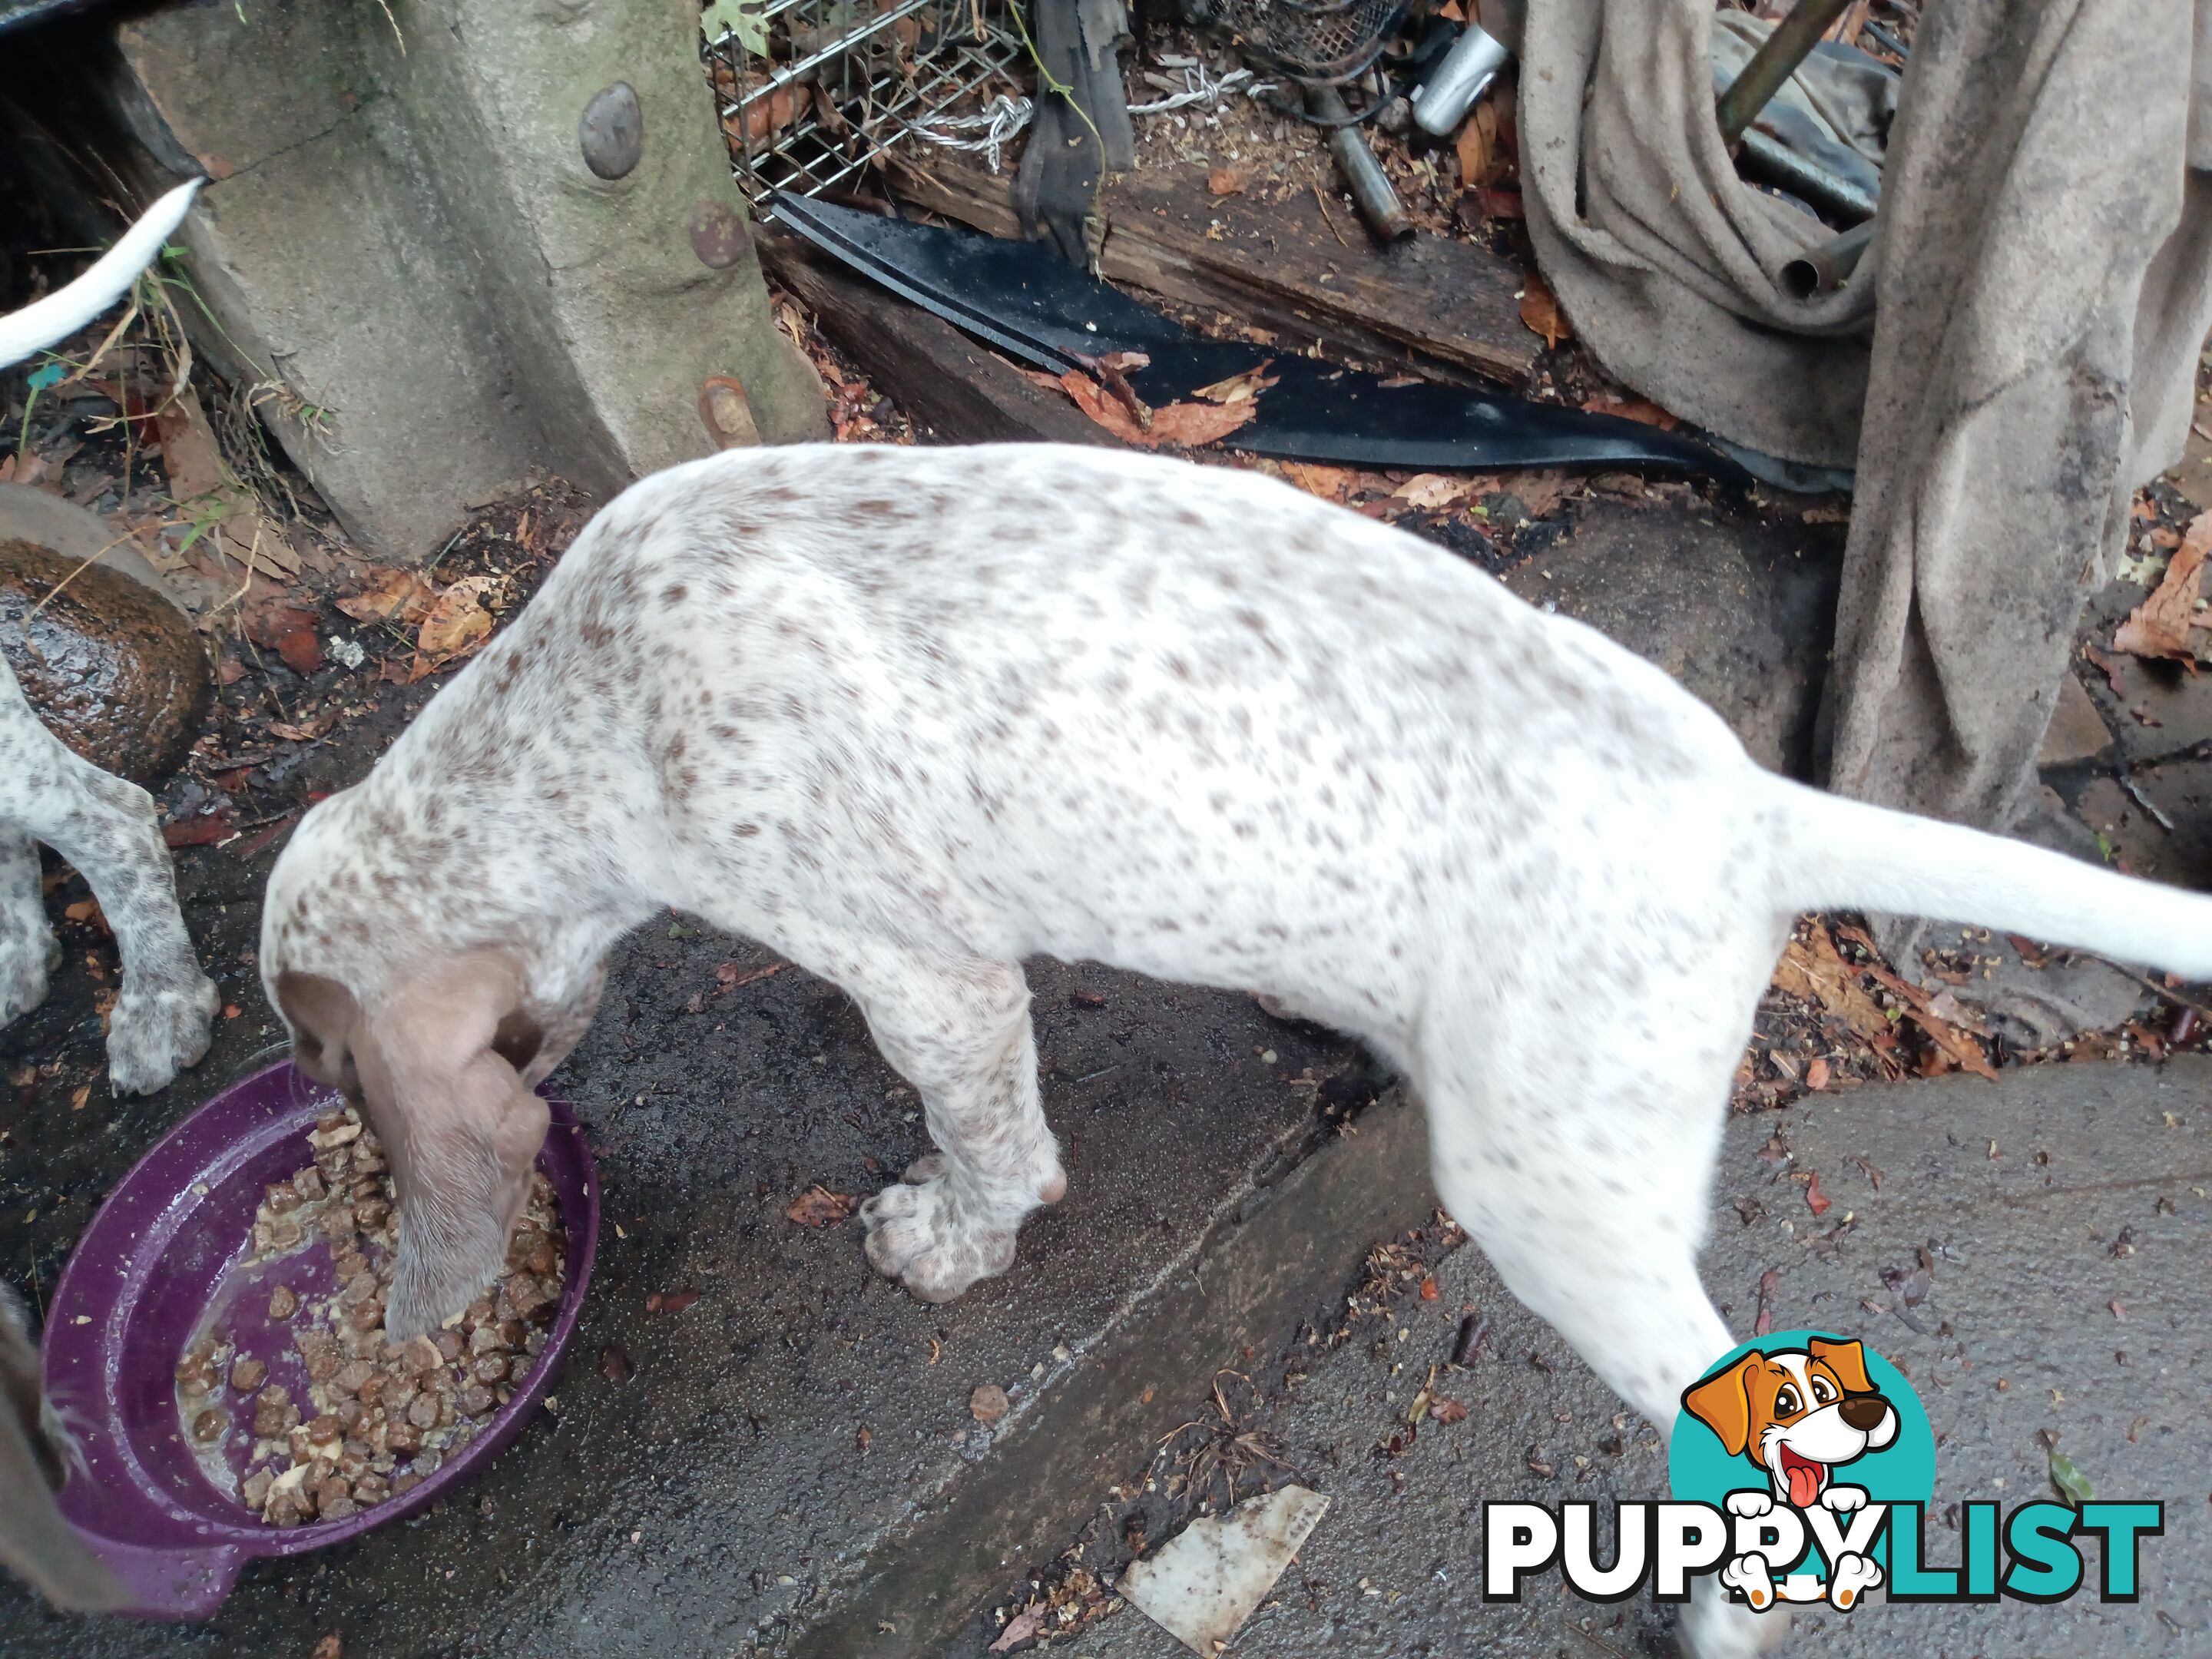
(1768, 159)
(1827, 268)
(1442, 101)
(1363, 174)
(1775, 61)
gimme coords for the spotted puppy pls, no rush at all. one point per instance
(909, 716)
(101, 824)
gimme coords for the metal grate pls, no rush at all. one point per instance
(1317, 42)
(817, 89)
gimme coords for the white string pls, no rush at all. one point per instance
(1203, 88)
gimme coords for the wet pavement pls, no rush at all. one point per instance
(2064, 1209)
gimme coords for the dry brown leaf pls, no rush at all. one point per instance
(1541, 313)
(456, 620)
(1187, 424)
(1476, 144)
(1957, 1047)
(1812, 968)
(1019, 1628)
(817, 1207)
(394, 593)
(1447, 1411)
(1432, 490)
(1331, 483)
(988, 1403)
(190, 454)
(86, 910)
(1539, 493)
(1240, 388)
(326, 1649)
(2160, 626)
(1228, 181)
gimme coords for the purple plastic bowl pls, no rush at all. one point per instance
(157, 1259)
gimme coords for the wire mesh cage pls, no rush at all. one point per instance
(811, 91)
(1314, 42)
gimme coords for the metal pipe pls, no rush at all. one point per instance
(1442, 101)
(1363, 174)
(1827, 268)
(1774, 62)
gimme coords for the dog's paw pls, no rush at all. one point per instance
(1749, 1505)
(1750, 1575)
(919, 1235)
(1843, 1499)
(154, 1033)
(1852, 1578)
(26, 959)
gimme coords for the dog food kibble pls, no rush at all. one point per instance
(343, 1419)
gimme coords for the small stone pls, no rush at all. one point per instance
(988, 1403)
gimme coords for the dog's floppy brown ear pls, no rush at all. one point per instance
(1723, 1403)
(457, 1123)
(322, 1014)
(1847, 1360)
(36, 1544)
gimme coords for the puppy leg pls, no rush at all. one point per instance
(959, 1031)
(107, 828)
(28, 949)
(1586, 1176)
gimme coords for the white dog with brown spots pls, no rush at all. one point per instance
(909, 716)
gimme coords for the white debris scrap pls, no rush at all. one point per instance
(1204, 1583)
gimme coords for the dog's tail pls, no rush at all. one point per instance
(60, 315)
(1834, 853)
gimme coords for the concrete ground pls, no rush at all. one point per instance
(790, 1465)
(2020, 1191)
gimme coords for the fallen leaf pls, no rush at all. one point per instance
(86, 910)
(1228, 181)
(1429, 1291)
(1539, 493)
(395, 594)
(1490, 202)
(1473, 145)
(77, 1100)
(614, 1363)
(676, 1302)
(2072, 1484)
(1540, 311)
(301, 651)
(326, 1649)
(1953, 1045)
(1632, 409)
(1331, 483)
(1815, 1200)
(1019, 1628)
(1432, 490)
(267, 624)
(2160, 626)
(456, 620)
(1769, 1282)
(203, 831)
(1812, 968)
(863, 1436)
(817, 1207)
(1447, 1411)
(988, 1403)
(190, 454)
(1239, 388)
(308, 730)
(1187, 424)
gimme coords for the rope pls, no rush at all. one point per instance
(1203, 88)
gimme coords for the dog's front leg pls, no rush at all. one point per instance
(107, 829)
(28, 949)
(959, 1030)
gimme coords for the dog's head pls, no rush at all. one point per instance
(441, 1044)
(1796, 1413)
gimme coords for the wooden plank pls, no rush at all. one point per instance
(953, 390)
(1279, 265)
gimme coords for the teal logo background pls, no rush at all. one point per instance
(1701, 1471)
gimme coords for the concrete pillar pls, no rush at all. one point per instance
(406, 236)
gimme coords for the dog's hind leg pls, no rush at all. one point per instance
(959, 1030)
(1584, 1169)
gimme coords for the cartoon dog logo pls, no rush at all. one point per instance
(1798, 1414)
